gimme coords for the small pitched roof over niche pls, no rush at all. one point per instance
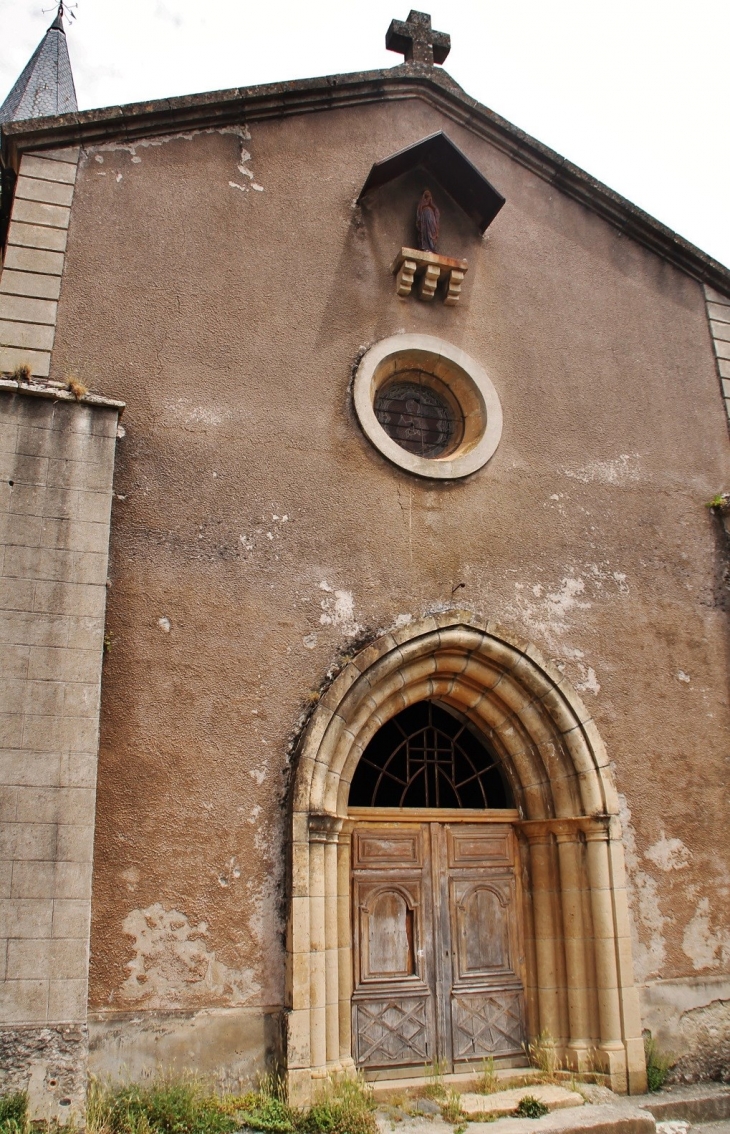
(445, 162)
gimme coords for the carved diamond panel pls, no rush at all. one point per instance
(392, 1031)
(487, 1024)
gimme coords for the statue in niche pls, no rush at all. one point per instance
(427, 222)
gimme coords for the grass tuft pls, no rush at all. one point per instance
(344, 1107)
(657, 1063)
(21, 374)
(78, 389)
(530, 1107)
(488, 1081)
(434, 1088)
(189, 1106)
(451, 1107)
(164, 1106)
(14, 1113)
(543, 1053)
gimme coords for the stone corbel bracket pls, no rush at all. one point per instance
(429, 268)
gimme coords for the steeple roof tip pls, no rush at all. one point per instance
(46, 85)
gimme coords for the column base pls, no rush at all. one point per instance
(612, 1059)
(579, 1055)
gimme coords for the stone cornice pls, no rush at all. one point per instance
(137, 121)
(52, 393)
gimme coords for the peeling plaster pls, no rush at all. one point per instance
(198, 418)
(338, 609)
(589, 681)
(618, 471)
(172, 966)
(669, 854)
(704, 946)
(555, 611)
(648, 921)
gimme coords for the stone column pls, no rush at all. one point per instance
(611, 1047)
(344, 939)
(56, 470)
(547, 938)
(630, 1009)
(570, 854)
(298, 1046)
(532, 1010)
(318, 827)
(332, 956)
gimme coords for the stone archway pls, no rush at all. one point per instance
(580, 985)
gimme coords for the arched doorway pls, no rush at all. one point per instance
(438, 940)
(577, 978)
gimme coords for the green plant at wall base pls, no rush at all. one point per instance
(165, 1106)
(543, 1053)
(14, 1113)
(435, 1088)
(187, 1105)
(530, 1107)
(344, 1107)
(488, 1081)
(722, 500)
(451, 1108)
(657, 1064)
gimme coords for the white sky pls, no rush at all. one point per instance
(634, 91)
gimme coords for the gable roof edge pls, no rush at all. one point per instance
(137, 121)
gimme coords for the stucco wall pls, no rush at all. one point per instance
(256, 533)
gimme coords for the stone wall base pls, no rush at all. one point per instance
(690, 1019)
(231, 1046)
(50, 1063)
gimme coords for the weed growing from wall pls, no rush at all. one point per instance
(657, 1063)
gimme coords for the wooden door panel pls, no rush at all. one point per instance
(393, 998)
(468, 847)
(393, 1031)
(389, 921)
(482, 914)
(390, 937)
(487, 1024)
(381, 849)
(486, 1002)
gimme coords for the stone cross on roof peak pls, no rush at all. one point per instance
(415, 40)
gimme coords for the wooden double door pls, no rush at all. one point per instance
(437, 946)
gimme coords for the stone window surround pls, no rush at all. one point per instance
(580, 982)
(467, 381)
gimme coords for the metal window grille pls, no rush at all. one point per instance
(428, 757)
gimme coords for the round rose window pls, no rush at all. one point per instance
(427, 406)
(420, 418)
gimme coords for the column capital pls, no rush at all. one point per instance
(324, 828)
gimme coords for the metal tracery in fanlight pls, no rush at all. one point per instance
(428, 757)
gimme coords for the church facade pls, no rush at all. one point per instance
(365, 695)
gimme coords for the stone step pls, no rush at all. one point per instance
(706, 1102)
(459, 1081)
(504, 1102)
(620, 1119)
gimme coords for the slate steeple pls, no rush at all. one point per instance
(46, 85)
